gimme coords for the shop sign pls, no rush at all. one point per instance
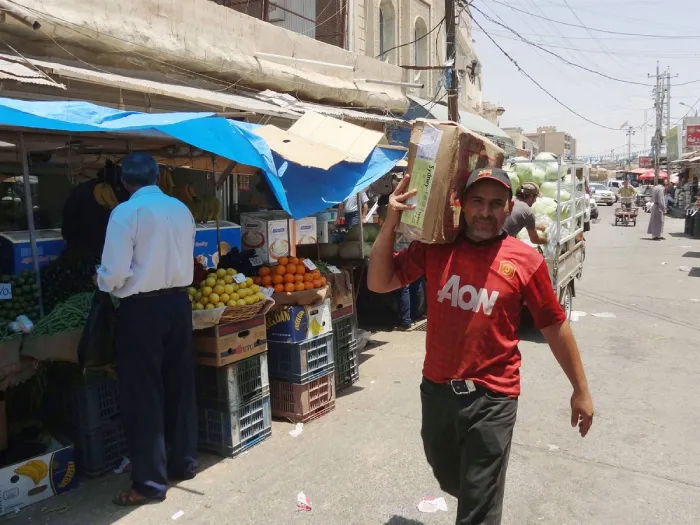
(692, 136)
(646, 162)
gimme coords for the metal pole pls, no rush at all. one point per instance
(668, 102)
(645, 128)
(451, 58)
(361, 221)
(30, 219)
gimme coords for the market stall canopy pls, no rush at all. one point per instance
(469, 120)
(649, 174)
(300, 190)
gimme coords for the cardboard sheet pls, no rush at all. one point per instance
(321, 142)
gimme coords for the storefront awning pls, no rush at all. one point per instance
(300, 190)
(21, 70)
(469, 120)
(216, 100)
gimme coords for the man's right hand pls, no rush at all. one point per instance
(397, 200)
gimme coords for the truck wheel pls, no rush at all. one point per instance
(567, 301)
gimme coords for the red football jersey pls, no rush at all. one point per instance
(475, 293)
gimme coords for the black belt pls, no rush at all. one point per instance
(462, 387)
(157, 293)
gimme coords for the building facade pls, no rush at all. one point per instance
(550, 140)
(524, 146)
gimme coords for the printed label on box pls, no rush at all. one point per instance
(422, 176)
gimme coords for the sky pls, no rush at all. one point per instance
(601, 100)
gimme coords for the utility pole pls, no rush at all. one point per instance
(451, 61)
(630, 132)
(668, 99)
(645, 128)
(659, 107)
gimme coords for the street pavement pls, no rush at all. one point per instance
(363, 463)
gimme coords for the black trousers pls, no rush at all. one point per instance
(467, 443)
(155, 362)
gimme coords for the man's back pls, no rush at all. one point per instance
(154, 239)
(520, 217)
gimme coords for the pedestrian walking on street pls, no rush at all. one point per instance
(658, 210)
(147, 262)
(476, 287)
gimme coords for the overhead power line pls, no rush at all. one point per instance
(515, 63)
(566, 61)
(413, 41)
(676, 37)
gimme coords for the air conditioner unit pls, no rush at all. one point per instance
(274, 13)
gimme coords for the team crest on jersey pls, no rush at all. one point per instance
(507, 269)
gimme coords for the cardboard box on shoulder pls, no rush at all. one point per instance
(441, 156)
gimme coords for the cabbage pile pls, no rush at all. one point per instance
(549, 189)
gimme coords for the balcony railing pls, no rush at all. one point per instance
(322, 20)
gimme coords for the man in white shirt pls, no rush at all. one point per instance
(148, 262)
(350, 211)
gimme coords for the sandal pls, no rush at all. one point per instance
(131, 498)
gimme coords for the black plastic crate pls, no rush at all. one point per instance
(230, 386)
(347, 366)
(101, 449)
(230, 432)
(86, 401)
(301, 362)
(344, 332)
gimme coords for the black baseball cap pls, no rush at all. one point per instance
(496, 174)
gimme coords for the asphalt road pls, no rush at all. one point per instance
(363, 463)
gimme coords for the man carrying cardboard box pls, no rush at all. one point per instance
(476, 286)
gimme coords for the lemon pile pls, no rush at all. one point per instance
(219, 290)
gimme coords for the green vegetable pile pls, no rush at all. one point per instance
(68, 315)
(25, 297)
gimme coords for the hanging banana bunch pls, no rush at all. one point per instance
(165, 181)
(104, 195)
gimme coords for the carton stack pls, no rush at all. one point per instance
(301, 362)
(233, 389)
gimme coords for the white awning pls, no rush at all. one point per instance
(215, 100)
(20, 70)
(468, 120)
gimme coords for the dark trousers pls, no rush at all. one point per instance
(155, 362)
(352, 218)
(467, 443)
(410, 303)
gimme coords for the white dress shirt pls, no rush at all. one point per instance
(149, 245)
(350, 204)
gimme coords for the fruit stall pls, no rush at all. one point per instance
(275, 327)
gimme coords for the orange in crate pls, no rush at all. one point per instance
(283, 261)
(301, 269)
(293, 260)
(267, 280)
(299, 286)
(290, 287)
(308, 277)
(279, 288)
(277, 279)
(262, 272)
(288, 278)
(280, 269)
(308, 285)
(302, 403)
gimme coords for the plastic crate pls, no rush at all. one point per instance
(347, 366)
(344, 332)
(87, 402)
(303, 403)
(230, 432)
(230, 386)
(101, 449)
(301, 362)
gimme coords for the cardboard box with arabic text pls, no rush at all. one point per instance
(441, 156)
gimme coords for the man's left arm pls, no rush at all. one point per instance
(116, 256)
(551, 319)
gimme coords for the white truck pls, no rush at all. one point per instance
(565, 251)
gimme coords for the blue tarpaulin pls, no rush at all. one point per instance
(300, 190)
